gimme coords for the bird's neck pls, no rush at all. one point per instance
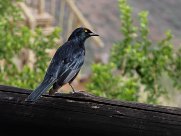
(78, 42)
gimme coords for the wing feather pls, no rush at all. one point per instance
(71, 68)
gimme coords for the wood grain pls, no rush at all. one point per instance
(84, 114)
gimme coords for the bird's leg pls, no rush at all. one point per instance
(54, 89)
(72, 88)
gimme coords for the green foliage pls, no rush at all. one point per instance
(105, 78)
(7, 9)
(14, 38)
(174, 69)
(139, 60)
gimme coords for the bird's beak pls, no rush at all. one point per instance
(93, 34)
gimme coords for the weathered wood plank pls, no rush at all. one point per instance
(85, 114)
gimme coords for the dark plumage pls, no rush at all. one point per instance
(65, 65)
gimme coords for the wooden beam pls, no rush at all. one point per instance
(62, 11)
(53, 7)
(44, 19)
(70, 24)
(41, 6)
(28, 14)
(84, 114)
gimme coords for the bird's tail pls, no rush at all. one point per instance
(42, 88)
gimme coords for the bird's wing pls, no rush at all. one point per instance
(58, 60)
(71, 66)
(51, 75)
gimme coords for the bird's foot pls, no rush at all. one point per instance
(82, 93)
(52, 91)
(74, 91)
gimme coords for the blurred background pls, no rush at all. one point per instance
(136, 58)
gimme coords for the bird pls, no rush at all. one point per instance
(65, 64)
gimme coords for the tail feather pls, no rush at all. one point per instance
(42, 88)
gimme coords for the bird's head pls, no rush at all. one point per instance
(82, 34)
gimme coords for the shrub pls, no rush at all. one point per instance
(13, 39)
(137, 59)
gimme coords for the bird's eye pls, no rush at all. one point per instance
(85, 30)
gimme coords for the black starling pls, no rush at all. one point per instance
(65, 65)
